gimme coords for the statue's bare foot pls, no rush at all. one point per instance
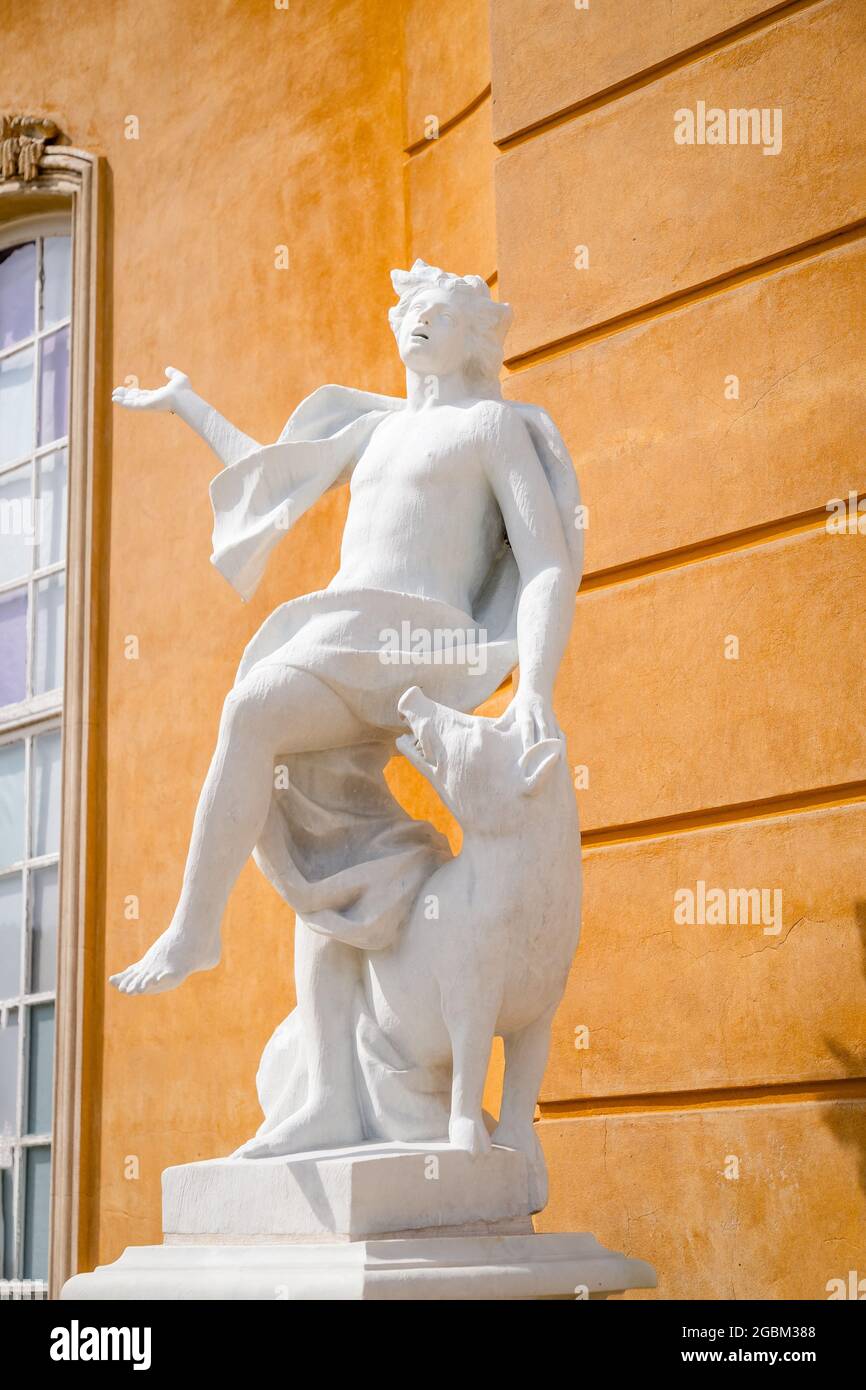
(171, 958)
(311, 1127)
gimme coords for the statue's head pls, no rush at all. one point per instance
(445, 323)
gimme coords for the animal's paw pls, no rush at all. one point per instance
(470, 1135)
(521, 1137)
(525, 1140)
(538, 1187)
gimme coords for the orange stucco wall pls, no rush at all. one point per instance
(704, 1104)
(307, 128)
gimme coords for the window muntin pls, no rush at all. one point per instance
(35, 296)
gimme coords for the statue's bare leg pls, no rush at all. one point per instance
(275, 710)
(327, 973)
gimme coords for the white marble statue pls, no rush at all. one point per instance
(460, 560)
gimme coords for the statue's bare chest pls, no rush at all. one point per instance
(425, 455)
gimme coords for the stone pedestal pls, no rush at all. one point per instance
(381, 1221)
(347, 1194)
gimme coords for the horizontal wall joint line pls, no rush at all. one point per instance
(683, 299)
(747, 538)
(713, 1098)
(418, 146)
(828, 798)
(655, 72)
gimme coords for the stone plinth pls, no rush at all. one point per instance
(347, 1194)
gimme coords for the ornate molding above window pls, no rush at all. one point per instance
(22, 145)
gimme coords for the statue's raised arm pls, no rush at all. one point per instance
(177, 396)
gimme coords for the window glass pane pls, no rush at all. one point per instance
(50, 634)
(17, 529)
(43, 929)
(45, 810)
(41, 1068)
(53, 374)
(8, 1075)
(13, 647)
(6, 1257)
(11, 893)
(11, 803)
(16, 405)
(37, 1187)
(56, 279)
(51, 509)
(17, 297)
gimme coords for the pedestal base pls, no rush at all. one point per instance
(359, 1193)
(433, 1267)
(378, 1221)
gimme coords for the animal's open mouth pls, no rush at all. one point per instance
(412, 745)
(418, 742)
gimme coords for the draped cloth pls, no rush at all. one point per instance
(336, 844)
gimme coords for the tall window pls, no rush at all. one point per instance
(35, 302)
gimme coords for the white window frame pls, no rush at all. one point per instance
(69, 183)
(23, 1002)
(23, 722)
(11, 233)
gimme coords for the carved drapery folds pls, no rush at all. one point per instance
(22, 143)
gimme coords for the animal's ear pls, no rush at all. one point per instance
(537, 763)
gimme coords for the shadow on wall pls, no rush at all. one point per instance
(847, 1119)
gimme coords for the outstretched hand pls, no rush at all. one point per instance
(533, 714)
(161, 398)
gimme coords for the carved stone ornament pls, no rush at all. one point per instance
(22, 144)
